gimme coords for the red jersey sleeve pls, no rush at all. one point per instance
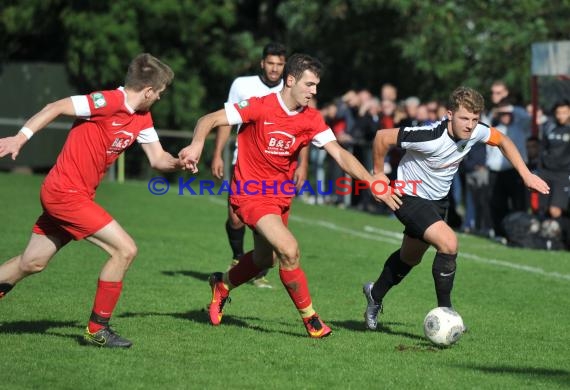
(98, 105)
(245, 111)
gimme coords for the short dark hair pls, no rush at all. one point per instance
(560, 103)
(274, 49)
(468, 98)
(297, 64)
(148, 71)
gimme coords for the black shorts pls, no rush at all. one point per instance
(559, 183)
(417, 214)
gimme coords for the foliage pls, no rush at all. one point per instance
(199, 39)
(426, 48)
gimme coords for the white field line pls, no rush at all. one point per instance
(382, 235)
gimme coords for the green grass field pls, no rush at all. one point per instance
(515, 303)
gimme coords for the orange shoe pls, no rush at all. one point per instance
(316, 328)
(220, 295)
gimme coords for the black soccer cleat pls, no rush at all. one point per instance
(5, 288)
(105, 337)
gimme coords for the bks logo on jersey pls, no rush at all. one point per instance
(280, 143)
(120, 143)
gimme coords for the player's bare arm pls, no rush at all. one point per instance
(160, 159)
(349, 164)
(222, 136)
(532, 181)
(383, 141)
(301, 173)
(12, 145)
(190, 155)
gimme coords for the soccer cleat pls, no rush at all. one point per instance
(220, 295)
(5, 288)
(105, 337)
(261, 282)
(372, 307)
(316, 328)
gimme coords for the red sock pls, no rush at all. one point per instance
(244, 271)
(106, 298)
(296, 284)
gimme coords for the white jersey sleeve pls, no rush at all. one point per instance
(81, 106)
(147, 136)
(323, 138)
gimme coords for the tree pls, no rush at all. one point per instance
(427, 48)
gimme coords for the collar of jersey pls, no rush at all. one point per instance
(129, 108)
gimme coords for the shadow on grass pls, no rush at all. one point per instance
(46, 327)
(559, 375)
(386, 328)
(201, 316)
(193, 274)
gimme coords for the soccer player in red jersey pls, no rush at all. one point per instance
(107, 123)
(274, 129)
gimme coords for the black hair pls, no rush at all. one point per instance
(274, 49)
(297, 64)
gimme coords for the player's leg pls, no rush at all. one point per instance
(34, 259)
(396, 267)
(122, 250)
(443, 238)
(417, 215)
(249, 266)
(277, 236)
(235, 231)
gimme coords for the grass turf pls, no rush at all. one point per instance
(514, 302)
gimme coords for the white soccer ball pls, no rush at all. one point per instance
(443, 326)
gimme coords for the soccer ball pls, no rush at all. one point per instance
(443, 326)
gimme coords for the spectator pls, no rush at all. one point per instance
(508, 192)
(555, 160)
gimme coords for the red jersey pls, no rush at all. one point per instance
(269, 143)
(105, 127)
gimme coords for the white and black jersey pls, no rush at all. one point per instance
(432, 157)
(246, 87)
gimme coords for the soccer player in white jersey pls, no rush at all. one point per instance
(269, 81)
(432, 157)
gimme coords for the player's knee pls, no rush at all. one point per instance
(289, 256)
(233, 219)
(32, 266)
(448, 245)
(128, 253)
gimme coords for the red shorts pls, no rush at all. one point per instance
(250, 209)
(69, 216)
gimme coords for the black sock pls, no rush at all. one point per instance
(443, 271)
(235, 238)
(97, 319)
(394, 271)
(5, 288)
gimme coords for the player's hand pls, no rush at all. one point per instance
(217, 167)
(535, 183)
(299, 177)
(12, 145)
(384, 193)
(190, 156)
